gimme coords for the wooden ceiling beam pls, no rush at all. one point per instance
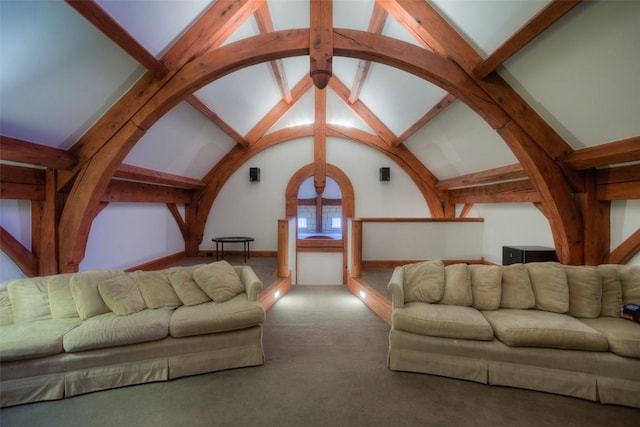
(430, 115)
(376, 25)
(211, 29)
(507, 192)
(92, 12)
(626, 250)
(265, 25)
(24, 259)
(320, 144)
(137, 173)
(529, 31)
(321, 42)
(278, 111)
(21, 151)
(502, 173)
(136, 192)
(361, 110)
(618, 174)
(208, 113)
(623, 151)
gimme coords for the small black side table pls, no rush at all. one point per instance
(233, 239)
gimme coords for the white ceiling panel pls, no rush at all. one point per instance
(183, 142)
(289, 14)
(242, 98)
(588, 89)
(352, 14)
(459, 142)
(302, 113)
(486, 24)
(397, 97)
(155, 24)
(52, 86)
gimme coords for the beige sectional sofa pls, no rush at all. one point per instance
(70, 334)
(539, 326)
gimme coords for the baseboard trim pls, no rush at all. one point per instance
(390, 264)
(160, 263)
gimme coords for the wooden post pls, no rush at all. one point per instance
(321, 42)
(47, 254)
(191, 241)
(283, 248)
(356, 248)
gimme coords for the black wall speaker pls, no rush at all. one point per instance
(254, 174)
(385, 174)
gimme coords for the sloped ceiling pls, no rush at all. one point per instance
(60, 73)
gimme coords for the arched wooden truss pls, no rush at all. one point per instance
(563, 183)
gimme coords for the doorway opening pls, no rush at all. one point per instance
(319, 216)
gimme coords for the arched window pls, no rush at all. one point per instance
(319, 215)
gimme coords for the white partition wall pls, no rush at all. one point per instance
(386, 241)
(319, 268)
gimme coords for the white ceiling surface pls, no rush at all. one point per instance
(59, 74)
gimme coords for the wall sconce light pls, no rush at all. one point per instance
(254, 174)
(385, 174)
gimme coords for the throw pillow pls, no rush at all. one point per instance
(457, 285)
(84, 289)
(516, 288)
(219, 281)
(121, 295)
(29, 299)
(585, 291)
(486, 286)
(156, 289)
(186, 289)
(424, 281)
(611, 291)
(550, 286)
(60, 297)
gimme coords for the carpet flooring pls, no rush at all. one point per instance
(325, 366)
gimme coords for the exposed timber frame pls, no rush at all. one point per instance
(563, 183)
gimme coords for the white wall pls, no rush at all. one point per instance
(625, 220)
(15, 217)
(127, 234)
(511, 224)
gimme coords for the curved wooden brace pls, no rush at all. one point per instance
(95, 175)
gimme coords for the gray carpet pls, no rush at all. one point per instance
(325, 366)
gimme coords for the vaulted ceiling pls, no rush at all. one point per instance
(180, 93)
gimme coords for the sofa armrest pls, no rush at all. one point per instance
(396, 288)
(251, 282)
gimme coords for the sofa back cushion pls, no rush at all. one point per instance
(219, 281)
(156, 289)
(84, 288)
(457, 285)
(585, 291)
(611, 291)
(629, 277)
(6, 311)
(550, 287)
(486, 286)
(121, 295)
(60, 297)
(516, 287)
(186, 288)
(29, 299)
(424, 281)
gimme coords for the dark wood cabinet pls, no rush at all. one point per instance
(524, 254)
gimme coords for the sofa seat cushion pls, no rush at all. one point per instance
(110, 330)
(34, 339)
(537, 328)
(623, 336)
(212, 317)
(441, 320)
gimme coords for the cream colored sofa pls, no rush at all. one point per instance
(70, 334)
(539, 326)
